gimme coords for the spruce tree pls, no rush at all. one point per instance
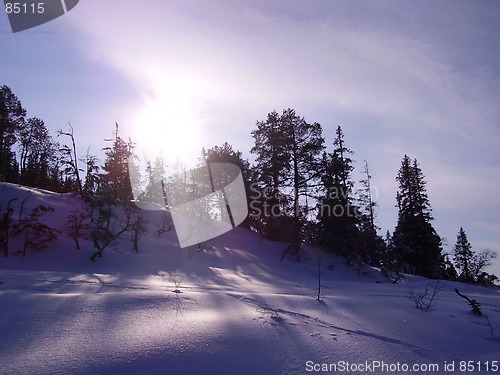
(463, 257)
(416, 243)
(338, 215)
(450, 272)
(115, 181)
(91, 174)
(111, 209)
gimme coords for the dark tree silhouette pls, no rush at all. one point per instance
(70, 159)
(115, 182)
(271, 166)
(288, 150)
(416, 243)
(37, 155)
(338, 230)
(11, 121)
(36, 233)
(463, 257)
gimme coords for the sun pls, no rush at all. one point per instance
(167, 127)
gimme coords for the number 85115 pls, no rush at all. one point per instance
(24, 8)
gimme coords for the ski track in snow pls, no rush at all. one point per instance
(233, 309)
(65, 321)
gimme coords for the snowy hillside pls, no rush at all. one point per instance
(233, 309)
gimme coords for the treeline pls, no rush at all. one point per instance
(298, 191)
(304, 193)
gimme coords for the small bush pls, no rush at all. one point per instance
(425, 299)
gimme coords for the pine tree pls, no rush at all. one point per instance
(306, 144)
(463, 257)
(37, 154)
(11, 120)
(416, 243)
(272, 166)
(288, 150)
(338, 216)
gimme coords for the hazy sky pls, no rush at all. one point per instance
(421, 78)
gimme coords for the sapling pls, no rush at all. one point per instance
(177, 283)
(36, 233)
(476, 306)
(493, 325)
(78, 225)
(425, 299)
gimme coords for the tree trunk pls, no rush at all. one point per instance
(76, 243)
(136, 240)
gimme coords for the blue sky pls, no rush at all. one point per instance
(421, 78)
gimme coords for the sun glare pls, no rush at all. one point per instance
(167, 127)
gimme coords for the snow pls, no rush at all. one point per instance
(235, 308)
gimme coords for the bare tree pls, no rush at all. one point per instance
(70, 157)
(482, 260)
(425, 299)
(493, 325)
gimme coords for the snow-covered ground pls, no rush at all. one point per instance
(234, 309)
